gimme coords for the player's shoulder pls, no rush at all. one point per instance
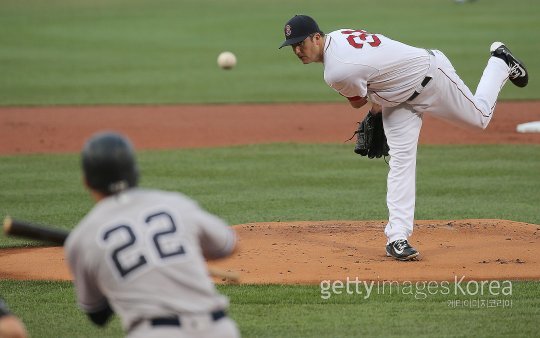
(338, 58)
(172, 200)
(156, 195)
(338, 32)
(345, 38)
(345, 32)
(77, 237)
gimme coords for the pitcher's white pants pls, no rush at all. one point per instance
(445, 97)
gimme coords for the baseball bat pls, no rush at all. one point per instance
(56, 236)
(25, 229)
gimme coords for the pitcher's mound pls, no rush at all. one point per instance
(308, 252)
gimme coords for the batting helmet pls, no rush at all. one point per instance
(108, 162)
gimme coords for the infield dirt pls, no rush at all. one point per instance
(291, 252)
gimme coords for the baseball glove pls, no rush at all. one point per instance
(370, 137)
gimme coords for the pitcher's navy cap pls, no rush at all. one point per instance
(298, 28)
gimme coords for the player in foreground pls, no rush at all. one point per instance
(10, 325)
(140, 253)
(402, 82)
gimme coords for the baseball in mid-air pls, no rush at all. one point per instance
(226, 60)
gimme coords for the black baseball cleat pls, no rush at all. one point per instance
(518, 73)
(401, 250)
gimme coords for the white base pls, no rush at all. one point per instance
(530, 127)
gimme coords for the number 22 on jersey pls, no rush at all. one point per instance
(126, 253)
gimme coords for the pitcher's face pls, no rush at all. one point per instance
(310, 49)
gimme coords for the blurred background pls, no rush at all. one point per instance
(64, 52)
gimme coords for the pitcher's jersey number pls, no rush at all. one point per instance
(126, 239)
(358, 38)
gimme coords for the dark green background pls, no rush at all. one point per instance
(82, 52)
(165, 51)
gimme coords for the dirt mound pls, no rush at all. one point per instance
(308, 252)
(292, 252)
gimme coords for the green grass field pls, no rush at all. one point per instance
(294, 182)
(78, 52)
(164, 51)
(287, 182)
(299, 311)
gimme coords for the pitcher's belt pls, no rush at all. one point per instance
(424, 83)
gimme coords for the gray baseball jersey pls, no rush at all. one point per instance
(143, 251)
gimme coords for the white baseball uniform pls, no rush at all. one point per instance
(142, 251)
(407, 82)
